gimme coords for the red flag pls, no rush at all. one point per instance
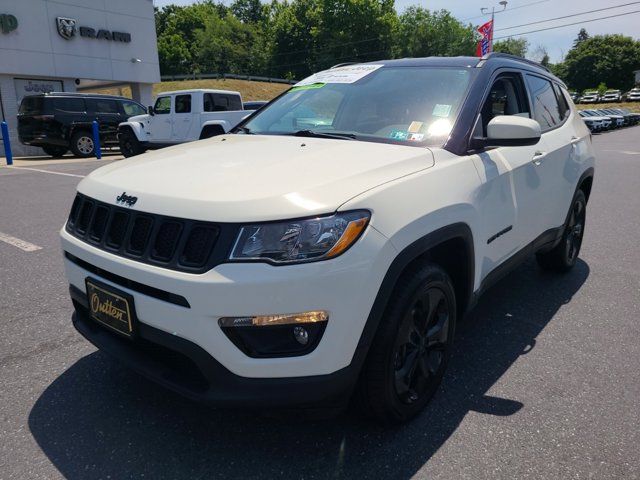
(484, 45)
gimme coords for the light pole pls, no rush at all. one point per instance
(485, 10)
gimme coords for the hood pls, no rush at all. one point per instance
(239, 178)
(139, 118)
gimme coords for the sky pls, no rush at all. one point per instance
(557, 41)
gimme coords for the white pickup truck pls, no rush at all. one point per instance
(181, 116)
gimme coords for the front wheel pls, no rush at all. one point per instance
(129, 144)
(564, 256)
(82, 144)
(410, 351)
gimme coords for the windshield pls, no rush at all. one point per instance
(404, 105)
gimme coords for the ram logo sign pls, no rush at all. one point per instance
(66, 27)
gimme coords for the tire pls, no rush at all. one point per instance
(54, 150)
(129, 144)
(82, 144)
(406, 363)
(564, 256)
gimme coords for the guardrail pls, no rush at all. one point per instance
(220, 76)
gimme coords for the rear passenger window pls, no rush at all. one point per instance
(70, 104)
(104, 106)
(183, 103)
(546, 109)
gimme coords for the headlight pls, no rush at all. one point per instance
(298, 241)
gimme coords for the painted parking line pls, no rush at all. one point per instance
(21, 244)
(47, 171)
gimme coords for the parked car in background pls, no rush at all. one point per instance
(620, 119)
(612, 96)
(574, 96)
(635, 117)
(633, 95)
(255, 104)
(329, 246)
(181, 116)
(595, 123)
(61, 121)
(590, 96)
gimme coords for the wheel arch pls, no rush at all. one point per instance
(212, 129)
(452, 248)
(586, 182)
(134, 127)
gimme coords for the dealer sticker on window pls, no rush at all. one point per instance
(346, 74)
(441, 110)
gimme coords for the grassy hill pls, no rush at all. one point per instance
(249, 90)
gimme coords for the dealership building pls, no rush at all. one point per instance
(74, 45)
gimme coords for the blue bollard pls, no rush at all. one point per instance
(96, 140)
(7, 143)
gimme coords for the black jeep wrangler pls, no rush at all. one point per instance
(59, 121)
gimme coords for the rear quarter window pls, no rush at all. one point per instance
(546, 110)
(35, 105)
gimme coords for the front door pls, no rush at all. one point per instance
(107, 114)
(161, 123)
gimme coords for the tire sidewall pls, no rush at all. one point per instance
(578, 197)
(74, 144)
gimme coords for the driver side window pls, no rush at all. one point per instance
(162, 106)
(506, 97)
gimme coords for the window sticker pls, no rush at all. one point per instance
(312, 86)
(346, 74)
(399, 135)
(441, 110)
(414, 127)
(416, 137)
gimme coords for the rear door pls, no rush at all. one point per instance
(560, 144)
(106, 112)
(182, 118)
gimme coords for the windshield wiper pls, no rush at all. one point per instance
(314, 133)
(246, 130)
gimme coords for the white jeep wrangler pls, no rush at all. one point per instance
(330, 244)
(179, 117)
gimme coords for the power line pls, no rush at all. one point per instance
(566, 25)
(565, 16)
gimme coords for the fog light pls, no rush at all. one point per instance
(302, 336)
(273, 335)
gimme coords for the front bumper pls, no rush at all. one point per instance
(189, 370)
(345, 287)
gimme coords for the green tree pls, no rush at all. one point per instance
(582, 36)
(513, 46)
(610, 59)
(248, 11)
(422, 33)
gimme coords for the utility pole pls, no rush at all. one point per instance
(485, 10)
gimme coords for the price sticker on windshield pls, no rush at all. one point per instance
(346, 74)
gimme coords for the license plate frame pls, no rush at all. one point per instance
(111, 308)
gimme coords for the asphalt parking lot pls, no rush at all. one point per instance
(545, 382)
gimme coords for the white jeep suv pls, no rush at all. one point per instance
(329, 245)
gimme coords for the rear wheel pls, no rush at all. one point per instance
(409, 354)
(129, 144)
(564, 256)
(54, 150)
(82, 144)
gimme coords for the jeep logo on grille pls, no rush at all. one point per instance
(127, 200)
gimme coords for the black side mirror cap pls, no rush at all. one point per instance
(150, 110)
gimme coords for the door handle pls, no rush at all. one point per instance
(538, 156)
(575, 140)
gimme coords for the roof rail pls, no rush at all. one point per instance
(514, 57)
(344, 64)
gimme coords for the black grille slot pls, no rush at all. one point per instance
(166, 241)
(198, 245)
(173, 243)
(140, 234)
(84, 217)
(96, 232)
(74, 210)
(117, 229)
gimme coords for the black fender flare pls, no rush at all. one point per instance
(402, 260)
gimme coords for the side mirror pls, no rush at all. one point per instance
(150, 110)
(510, 131)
